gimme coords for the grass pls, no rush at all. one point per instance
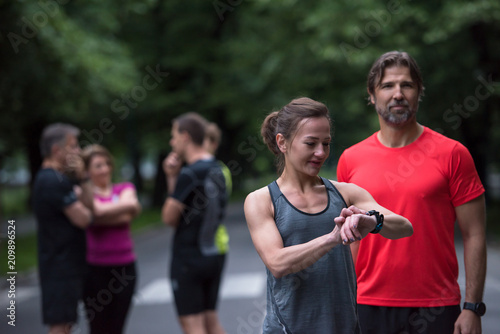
(147, 218)
(14, 200)
(26, 245)
(26, 250)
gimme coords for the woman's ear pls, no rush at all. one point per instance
(281, 141)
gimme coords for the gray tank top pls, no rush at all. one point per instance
(320, 299)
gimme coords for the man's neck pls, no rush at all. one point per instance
(393, 137)
(196, 153)
(53, 164)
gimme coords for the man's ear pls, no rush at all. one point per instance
(281, 141)
(185, 136)
(372, 97)
(55, 149)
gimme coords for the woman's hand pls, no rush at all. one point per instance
(355, 224)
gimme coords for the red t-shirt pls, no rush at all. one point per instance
(424, 182)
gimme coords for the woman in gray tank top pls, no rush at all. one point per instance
(301, 226)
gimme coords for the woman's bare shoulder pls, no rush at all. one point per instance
(349, 191)
(258, 196)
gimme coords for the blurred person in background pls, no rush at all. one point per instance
(110, 249)
(63, 207)
(211, 143)
(195, 208)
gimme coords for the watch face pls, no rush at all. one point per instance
(481, 309)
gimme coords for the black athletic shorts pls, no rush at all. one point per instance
(407, 320)
(60, 299)
(195, 282)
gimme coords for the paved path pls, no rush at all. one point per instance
(242, 302)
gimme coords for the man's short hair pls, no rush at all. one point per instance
(56, 134)
(213, 133)
(193, 124)
(394, 58)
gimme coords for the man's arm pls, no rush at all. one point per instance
(171, 212)
(87, 195)
(172, 166)
(172, 208)
(80, 213)
(471, 218)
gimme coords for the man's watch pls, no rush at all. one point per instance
(380, 220)
(478, 308)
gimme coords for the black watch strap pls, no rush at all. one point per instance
(478, 308)
(380, 220)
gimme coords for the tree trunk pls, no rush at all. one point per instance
(32, 133)
(160, 185)
(478, 137)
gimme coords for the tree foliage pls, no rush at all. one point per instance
(121, 70)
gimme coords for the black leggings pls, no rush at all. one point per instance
(107, 296)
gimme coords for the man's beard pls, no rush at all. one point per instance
(400, 116)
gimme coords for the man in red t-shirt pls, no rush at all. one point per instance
(410, 285)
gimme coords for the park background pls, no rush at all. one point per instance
(122, 70)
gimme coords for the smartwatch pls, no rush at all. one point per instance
(380, 220)
(478, 308)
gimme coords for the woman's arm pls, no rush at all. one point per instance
(280, 260)
(123, 211)
(394, 226)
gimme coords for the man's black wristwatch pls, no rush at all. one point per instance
(478, 308)
(380, 220)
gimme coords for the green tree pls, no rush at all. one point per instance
(122, 71)
(56, 67)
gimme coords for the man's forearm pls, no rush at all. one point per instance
(87, 196)
(171, 182)
(475, 268)
(471, 218)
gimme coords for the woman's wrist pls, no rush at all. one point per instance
(334, 237)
